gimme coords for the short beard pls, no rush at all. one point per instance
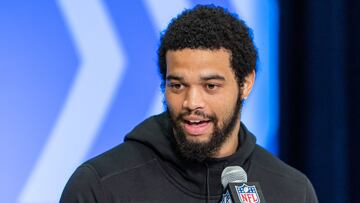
(199, 151)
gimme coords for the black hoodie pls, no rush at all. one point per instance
(146, 168)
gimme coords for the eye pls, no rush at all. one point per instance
(176, 86)
(211, 86)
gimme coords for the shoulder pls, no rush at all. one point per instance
(278, 177)
(83, 186)
(271, 164)
(90, 179)
(122, 158)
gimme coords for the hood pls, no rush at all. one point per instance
(199, 178)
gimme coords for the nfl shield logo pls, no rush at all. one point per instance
(247, 194)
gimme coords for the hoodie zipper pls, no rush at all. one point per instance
(207, 183)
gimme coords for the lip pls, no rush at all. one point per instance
(189, 118)
(197, 130)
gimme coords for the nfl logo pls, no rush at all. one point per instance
(247, 194)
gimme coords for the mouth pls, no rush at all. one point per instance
(196, 127)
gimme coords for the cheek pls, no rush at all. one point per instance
(173, 101)
(224, 107)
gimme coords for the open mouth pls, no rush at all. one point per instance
(196, 122)
(196, 127)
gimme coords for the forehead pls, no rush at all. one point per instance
(191, 62)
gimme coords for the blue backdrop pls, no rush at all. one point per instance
(77, 75)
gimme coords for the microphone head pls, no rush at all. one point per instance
(233, 174)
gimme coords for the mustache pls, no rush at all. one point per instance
(197, 113)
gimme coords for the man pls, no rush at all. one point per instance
(207, 62)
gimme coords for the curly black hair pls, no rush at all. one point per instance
(210, 27)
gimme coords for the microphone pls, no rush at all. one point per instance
(237, 189)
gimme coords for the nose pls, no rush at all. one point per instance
(193, 100)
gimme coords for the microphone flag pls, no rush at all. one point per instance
(245, 192)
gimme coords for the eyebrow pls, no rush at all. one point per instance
(212, 77)
(203, 78)
(174, 77)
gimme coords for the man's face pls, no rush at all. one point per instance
(203, 99)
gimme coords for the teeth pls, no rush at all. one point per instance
(195, 121)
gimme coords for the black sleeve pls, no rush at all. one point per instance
(83, 186)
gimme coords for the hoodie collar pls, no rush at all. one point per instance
(156, 133)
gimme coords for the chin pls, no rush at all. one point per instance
(205, 138)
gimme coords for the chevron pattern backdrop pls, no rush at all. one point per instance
(77, 75)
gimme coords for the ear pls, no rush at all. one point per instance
(248, 84)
